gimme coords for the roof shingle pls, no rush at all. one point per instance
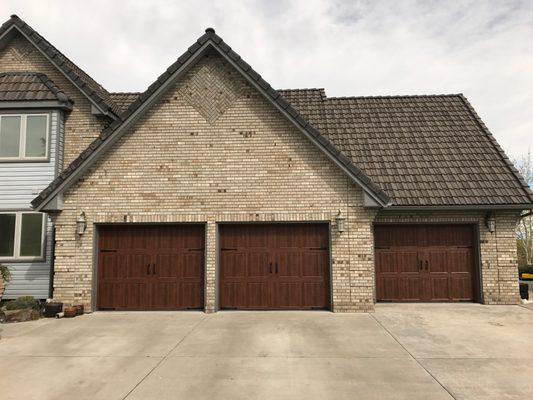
(29, 86)
(422, 150)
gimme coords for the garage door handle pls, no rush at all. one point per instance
(270, 268)
(421, 265)
(153, 269)
(427, 265)
(148, 269)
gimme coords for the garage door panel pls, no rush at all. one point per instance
(257, 265)
(386, 261)
(439, 286)
(191, 295)
(232, 294)
(135, 265)
(314, 265)
(388, 287)
(407, 262)
(289, 294)
(136, 296)
(112, 271)
(315, 295)
(168, 265)
(460, 261)
(461, 288)
(424, 262)
(288, 265)
(110, 294)
(165, 295)
(438, 261)
(409, 288)
(193, 264)
(257, 295)
(235, 265)
(142, 272)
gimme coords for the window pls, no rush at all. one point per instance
(24, 137)
(21, 235)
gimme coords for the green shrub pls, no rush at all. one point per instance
(22, 303)
(5, 274)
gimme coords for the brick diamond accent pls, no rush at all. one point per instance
(213, 89)
(20, 52)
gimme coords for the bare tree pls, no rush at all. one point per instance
(524, 231)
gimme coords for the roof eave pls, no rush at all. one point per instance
(525, 206)
(35, 104)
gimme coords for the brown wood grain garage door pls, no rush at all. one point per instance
(425, 263)
(274, 266)
(149, 267)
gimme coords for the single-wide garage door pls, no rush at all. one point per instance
(150, 267)
(425, 263)
(274, 266)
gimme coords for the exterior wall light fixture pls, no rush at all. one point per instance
(81, 224)
(490, 222)
(340, 222)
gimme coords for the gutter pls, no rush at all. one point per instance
(478, 207)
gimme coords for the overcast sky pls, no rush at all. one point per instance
(482, 49)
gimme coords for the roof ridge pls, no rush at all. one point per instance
(49, 83)
(52, 52)
(498, 148)
(301, 89)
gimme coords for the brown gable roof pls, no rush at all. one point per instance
(29, 86)
(422, 150)
(88, 86)
(212, 40)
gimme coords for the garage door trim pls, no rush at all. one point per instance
(476, 252)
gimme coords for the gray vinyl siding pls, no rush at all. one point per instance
(20, 182)
(32, 278)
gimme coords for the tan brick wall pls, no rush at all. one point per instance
(81, 126)
(247, 164)
(499, 274)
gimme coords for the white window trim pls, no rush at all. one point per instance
(18, 229)
(22, 138)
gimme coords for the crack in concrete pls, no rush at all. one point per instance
(165, 356)
(413, 357)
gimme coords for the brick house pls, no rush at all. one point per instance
(212, 190)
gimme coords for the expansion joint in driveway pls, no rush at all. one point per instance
(165, 356)
(412, 356)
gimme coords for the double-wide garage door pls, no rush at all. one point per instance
(147, 267)
(274, 266)
(425, 263)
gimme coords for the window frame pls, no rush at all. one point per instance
(18, 230)
(22, 137)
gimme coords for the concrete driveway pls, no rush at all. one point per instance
(462, 351)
